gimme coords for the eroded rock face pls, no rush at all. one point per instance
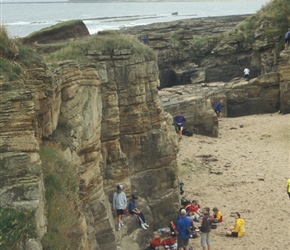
(118, 132)
(20, 166)
(186, 58)
(197, 108)
(284, 87)
(186, 55)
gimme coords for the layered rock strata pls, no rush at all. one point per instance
(117, 133)
(187, 50)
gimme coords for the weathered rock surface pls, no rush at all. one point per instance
(185, 57)
(117, 133)
(120, 126)
(185, 50)
(20, 166)
(284, 75)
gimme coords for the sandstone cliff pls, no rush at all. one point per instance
(209, 55)
(116, 132)
(103, 107)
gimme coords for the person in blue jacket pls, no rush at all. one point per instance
(179, 122)
(218, 109)
(135, 211)
(287, 39)
(183, 230)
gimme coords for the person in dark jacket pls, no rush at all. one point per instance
(218, 109)
(287, 39)
(204, 228)
(179, 122)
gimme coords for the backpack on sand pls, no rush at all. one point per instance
(155, 242)
(168, 242)
(187, 132)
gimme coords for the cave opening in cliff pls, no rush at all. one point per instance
(171, 78)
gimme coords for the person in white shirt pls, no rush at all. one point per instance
(247, 73)
(120, 204)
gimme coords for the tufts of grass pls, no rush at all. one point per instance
(106, 43)
(270, 22)
(9, 70)
(14, 56)
(61, 185)
(16, 227)
(8, 49)
(174, 40)
(62, 25)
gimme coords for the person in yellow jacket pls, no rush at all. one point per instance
(239, 229)
(217, 215)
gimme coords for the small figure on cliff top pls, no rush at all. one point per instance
(146, 39)
(179, 122)
(247, 73)
(287, 39)
(218, 108)
(119, 204)
(135, 211)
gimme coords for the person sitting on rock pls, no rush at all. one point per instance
(135, 211)
(217, 215)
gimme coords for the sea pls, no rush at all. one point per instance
(23, 17)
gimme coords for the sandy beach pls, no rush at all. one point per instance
(244, 170)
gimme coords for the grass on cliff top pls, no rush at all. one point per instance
(51, 28)
(14, 56)
(16, 227)
(106, 43)
(271, 21)
(61, 193)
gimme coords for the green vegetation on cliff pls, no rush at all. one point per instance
(16, 227)
(14, 56)
(269, 23)
(104, 44)
(61, 186)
